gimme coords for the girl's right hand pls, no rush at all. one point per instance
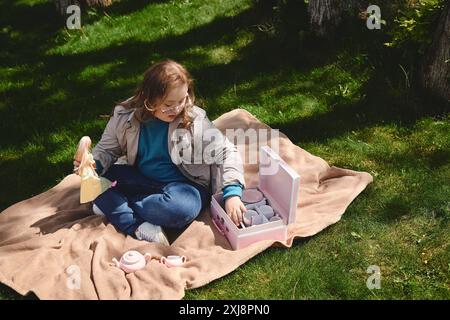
(235, 208)
(76, 165)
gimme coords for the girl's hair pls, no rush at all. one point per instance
(158, 80)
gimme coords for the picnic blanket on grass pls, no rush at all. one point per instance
(58, 249)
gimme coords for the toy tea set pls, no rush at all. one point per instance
(271, 207)
(258, 211)
(132, 261)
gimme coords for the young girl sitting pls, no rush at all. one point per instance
(162, 185)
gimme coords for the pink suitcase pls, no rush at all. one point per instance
(280, 184)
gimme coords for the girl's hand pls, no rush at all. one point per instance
(235, 208)
(83, 148)
(76, 165)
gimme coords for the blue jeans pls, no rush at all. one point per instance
(136, 199)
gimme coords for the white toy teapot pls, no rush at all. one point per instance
(132, 261)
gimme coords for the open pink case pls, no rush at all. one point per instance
(280, 185)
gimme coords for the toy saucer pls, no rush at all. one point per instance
(251, 196)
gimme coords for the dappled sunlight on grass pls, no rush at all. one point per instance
(167, 19)
(91, 73)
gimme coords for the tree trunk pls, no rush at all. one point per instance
(103, 3)
(61, 5)
(324, 15)
(435, 67)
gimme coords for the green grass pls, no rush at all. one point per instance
(328, 98)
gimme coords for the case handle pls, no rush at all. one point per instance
(217, 227)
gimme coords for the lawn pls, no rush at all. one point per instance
(327, 97)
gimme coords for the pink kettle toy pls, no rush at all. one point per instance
(173, 261)
(132, 261)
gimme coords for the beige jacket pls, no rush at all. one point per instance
(121, 137)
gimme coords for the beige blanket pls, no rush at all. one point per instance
(58, 249)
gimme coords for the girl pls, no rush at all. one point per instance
(161, 185)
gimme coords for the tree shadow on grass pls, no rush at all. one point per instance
(67, 104)
(58, 90)
(255, 59)
(59, 99)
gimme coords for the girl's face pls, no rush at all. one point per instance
(174, 103)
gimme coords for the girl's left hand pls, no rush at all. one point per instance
(235, 208)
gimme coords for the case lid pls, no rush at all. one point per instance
(279, 182)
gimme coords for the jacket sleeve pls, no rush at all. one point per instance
(225, 156)
(108, 149)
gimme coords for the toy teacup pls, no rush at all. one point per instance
(266, 211)
(251, 195)
(173, 261)
(259, 219)
(248, 216)
(253, 198)
(275, 218)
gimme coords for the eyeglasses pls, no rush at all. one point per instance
(173, 109)
(176, 109)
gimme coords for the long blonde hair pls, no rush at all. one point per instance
(158, 80)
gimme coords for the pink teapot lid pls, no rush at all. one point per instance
(131, 257)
